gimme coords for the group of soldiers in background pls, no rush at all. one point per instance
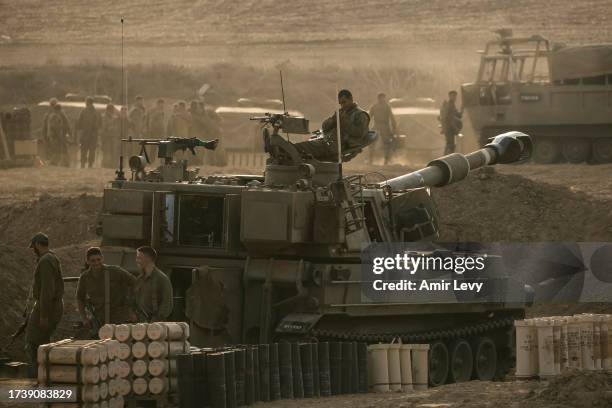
(105, 294)
(95, 130)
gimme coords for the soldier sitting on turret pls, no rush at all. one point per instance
(354, 126)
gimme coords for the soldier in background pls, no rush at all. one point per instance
(106, 290)
(153, 290)
(110, 133)
(56, 131)
(45, 128)
(385, 125)
(198, 129)
(354, 127)
(179, 124)
(47, 294)
(156, 121)
(138, 118)
(450, 121)
(88, 125)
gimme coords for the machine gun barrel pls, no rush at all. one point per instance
(510, 147)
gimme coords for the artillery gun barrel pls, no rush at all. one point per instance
(511, 147)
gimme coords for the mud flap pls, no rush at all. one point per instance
(297, 323)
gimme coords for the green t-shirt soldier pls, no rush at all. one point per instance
(47, 293)
(354, 127)
(153, 290)
(106, 290)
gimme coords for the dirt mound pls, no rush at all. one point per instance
(494, 207)
(67, 220)
(578, 389)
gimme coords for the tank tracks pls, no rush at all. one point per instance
(482, 351)
(424, 337)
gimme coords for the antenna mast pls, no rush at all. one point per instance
(120, 174)
(339, 138)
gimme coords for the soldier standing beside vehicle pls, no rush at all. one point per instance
(105, 291)
(47, 293)
(153, 290)
(385, 125)
(179, 124)
(110, 135)
(156, 121)
(56, 131)
(450, 121)
(354, 127)
(88, 125)
(138, 118)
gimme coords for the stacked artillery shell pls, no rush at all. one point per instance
(264, 372)
(145, 366)
(286, 370)
(548, 346)
(298, 384)
(324, 370)
(307, 377)
(85, 365)
(275, 390)
(121, 383)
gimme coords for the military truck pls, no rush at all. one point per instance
(257, 258)
(560, 95)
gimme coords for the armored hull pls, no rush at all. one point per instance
(259, 258)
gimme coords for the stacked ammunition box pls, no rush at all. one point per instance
(86, 365)
(548, 346)
(147, 357)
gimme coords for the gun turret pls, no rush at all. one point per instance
(510, 147)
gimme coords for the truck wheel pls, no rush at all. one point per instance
(485, 359)
(546, 151)
(577, 150)
(461, 362)
(602, 150)
(438, 363)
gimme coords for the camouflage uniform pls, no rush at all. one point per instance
(153, 295)
(384, 125)
(156, 123)
(138, 118)
(91, 288)
(179, 124)
(56, 128)
(111, 139)
(450, 119)
(354, 127)
(47, 292)
(88, 124)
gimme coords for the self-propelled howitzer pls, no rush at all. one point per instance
(255, 258)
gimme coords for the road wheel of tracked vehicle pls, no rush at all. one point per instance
(546, 150)
(602, 150)
(577, 150)
(461, 361)
(438, 363)
(485, 359)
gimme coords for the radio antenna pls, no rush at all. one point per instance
(338, 139)
(120, 174)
